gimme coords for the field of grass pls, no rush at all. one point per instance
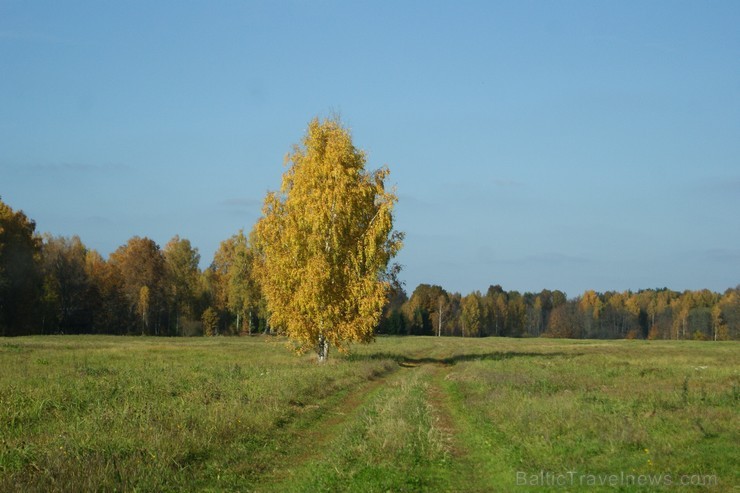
(89, 413)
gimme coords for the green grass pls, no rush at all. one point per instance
(601, 409)
(84, 413)
(105, 413)
(391, 443)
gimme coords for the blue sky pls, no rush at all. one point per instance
(534, 144)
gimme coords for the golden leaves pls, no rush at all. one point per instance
(326, 240)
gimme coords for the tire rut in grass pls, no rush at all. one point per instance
(467, 466)
(309, 441)
(463, 471)
(439, 401)
(315, 442)
(385, 438)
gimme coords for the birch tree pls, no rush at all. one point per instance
(140, 263)
(324, 243)
(235, 286)
(471, 315)
(182, 275)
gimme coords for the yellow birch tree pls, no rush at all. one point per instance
(324, 243)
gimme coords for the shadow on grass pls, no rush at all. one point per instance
(409, 361)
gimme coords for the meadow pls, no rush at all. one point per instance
(107, 413)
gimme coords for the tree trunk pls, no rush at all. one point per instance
(323, 349)
(439, 328)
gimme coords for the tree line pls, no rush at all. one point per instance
(646, 314)
(54, 285)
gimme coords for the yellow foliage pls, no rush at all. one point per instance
(324, 242)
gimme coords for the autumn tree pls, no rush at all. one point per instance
(182, 278)
(700, 322)
(452, 311)
(726, 316)
(496, 301)
(393, 320)
(110, 308)
(141, 266)
(68, 296)
(216, 277)
(516, 313)
(20, 280)
(426, 310)
(661, 314)
(244, 289)
(681, 309)
(244, 293)
(536, 316)
(236, 289)
(564, 321)
(210, 322)
(471, 315)
(440, 313)
(325, 242)
(589, 306)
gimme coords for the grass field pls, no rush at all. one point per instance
(84, 413)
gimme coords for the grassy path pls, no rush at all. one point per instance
(310, 437)
(397, 433)
(457, 417)
(402, 415)
(387, 436)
